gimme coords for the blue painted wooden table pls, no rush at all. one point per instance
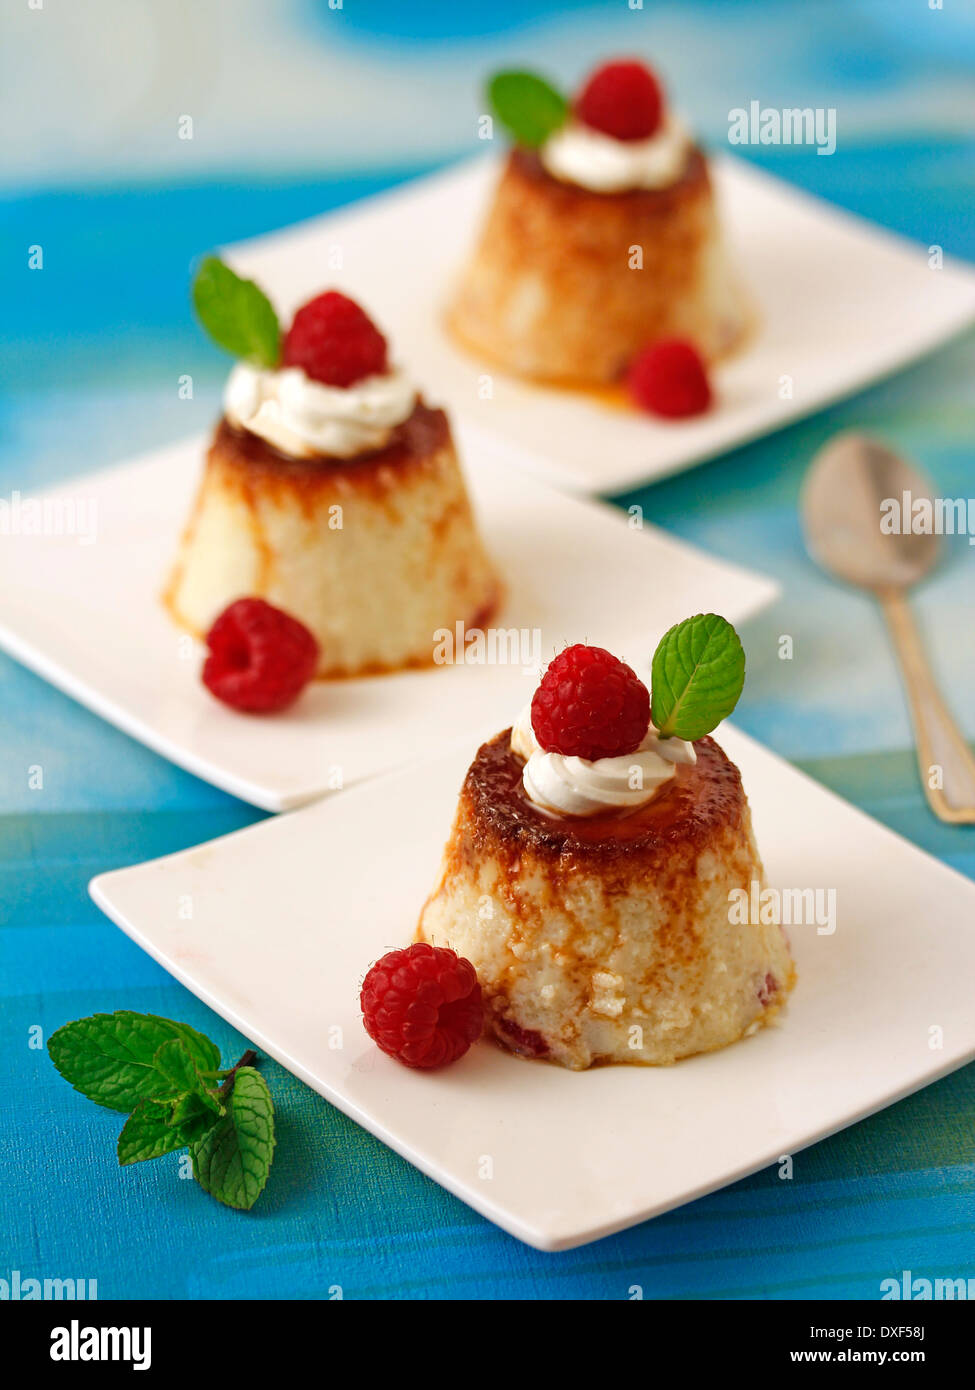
(92, 352)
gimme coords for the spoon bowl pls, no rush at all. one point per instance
(852, 484)
(857, 505)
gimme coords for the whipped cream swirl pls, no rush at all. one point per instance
(578, 154)
(302, 417)
(567, 786)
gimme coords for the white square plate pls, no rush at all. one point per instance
(88, 618)
(842, 302)
(559, 1158)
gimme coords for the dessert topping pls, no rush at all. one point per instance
(589, 704)
(580, 737)
(669, 378)
(622, 99)
(334, 341)
(260, 657)
(586, 739)
(529, 107)
(304, 418)
(422, 1005)
(237, 314)
(580, 155)
(327, 390)
(617, 136)
(698, 674)
(568, 786)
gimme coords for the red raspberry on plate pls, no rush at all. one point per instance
(422, 1005)
(622, 99)
(590, 704)
(260, 657)
(334, 341)
(669, 378)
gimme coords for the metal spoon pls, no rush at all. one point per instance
(847, 482)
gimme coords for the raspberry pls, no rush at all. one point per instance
(260, 658)
(622, 99)
(669, 378)
(334, 341)
(422, 1005)
(590, 705)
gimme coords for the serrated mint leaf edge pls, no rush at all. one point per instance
(694, 697)
(246, 1105)
(693, 706)
(670, 666)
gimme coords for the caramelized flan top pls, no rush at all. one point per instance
(527, 165)
(699, 801)
(419, 438)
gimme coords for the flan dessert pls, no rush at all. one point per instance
(602, 237)
(334, 492)
(592, 895)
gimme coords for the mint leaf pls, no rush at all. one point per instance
(161, 1071)
(238, 315)
(176, 1066)
(697, 675)
(205, 1054)
(158, 1127)
(147, 1133)
(192, 1116)
(233, 1159)
(528, 106)
(110, 1058)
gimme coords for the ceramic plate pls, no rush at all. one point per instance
(841, 303)
(88, 618)
(883, 1004)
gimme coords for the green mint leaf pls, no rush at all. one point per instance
(238, 315)
(697, 675)
(233, 1159)
(110, 1058)
(173, 1061)
(192, 1116)
(147, 1133)
(528, 106)
(205, 1054)
(175, 1064)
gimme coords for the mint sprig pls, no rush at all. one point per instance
(168, 1077)
(697, 676)
(237, 314)
(232, 1159)
(529, 107)
(111, 1058)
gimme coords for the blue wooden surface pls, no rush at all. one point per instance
(91, 352)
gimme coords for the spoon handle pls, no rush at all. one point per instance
(945, 761)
